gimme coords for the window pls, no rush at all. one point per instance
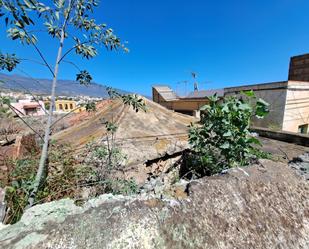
(303, 129)
(71, 106)
(60, 107)
(31, 111)
(66, 106)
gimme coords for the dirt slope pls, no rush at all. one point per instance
(143, 136)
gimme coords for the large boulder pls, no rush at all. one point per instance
(264, 206)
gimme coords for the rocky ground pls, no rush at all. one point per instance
(264, 206)
(301, 165)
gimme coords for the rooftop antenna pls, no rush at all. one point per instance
(194, 75)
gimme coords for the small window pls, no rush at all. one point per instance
(60, 107)
(71, 106)
(66, 106)
(303, 129)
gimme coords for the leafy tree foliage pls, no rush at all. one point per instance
(70, 23)
(84, 78)
(8, 61)
(223, 139)
(4, 107)
(132, 100)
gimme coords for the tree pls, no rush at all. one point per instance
(70, 22)
(223, 139)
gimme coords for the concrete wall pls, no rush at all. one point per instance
(285, 136)
(188, 104)
(297, 106)
(274, 94)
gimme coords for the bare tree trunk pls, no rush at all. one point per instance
(42, 170)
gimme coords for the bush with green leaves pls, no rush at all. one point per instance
(105, 159)
(18, 187)
(222, 139)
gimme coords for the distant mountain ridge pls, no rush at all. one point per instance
(43, 86)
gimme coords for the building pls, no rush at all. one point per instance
(28, 107)
(65, 106)
(289, 100)
(190, 104)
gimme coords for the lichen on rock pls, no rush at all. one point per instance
(264, 206)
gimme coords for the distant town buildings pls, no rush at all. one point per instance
(36, 105)
(289, 100)
(63, 105)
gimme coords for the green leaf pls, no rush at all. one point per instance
(8, 62)
(57, 15)
(262, 108)
(26, 19)
(84, 78)
(226, 145)
(227, 134)
(248, 93)
(205, 108)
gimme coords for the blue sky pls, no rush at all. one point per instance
(226, 42)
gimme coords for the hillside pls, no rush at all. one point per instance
(43, 86)
(143, 136)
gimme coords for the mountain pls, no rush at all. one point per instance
(43, 86)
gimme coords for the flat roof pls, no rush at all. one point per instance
(166, 92)
(205, 93)
(262, 86)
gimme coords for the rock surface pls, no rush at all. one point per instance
(264, 206)
(301, 165)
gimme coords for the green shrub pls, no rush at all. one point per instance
(222, 140)
(20, 181)
(121, 187)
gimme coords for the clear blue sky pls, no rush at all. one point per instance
(226, 42)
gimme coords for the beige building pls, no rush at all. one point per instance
(63, 106)
(289, 104)
(289, 100)
(190, 104)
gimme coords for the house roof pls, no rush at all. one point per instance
(31, 105)
(166, 92)
(205, 93)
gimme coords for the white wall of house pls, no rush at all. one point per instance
(296, 112)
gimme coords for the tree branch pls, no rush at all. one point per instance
(40, 53)
(16, 111)
(71, 49)
(73, 64)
